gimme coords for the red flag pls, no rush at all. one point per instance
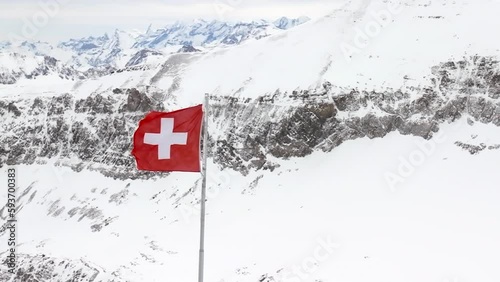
(169, 141)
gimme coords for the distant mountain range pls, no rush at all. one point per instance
(129, 48)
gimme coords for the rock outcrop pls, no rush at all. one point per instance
(95, 132)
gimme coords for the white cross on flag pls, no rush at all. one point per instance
(169, 141)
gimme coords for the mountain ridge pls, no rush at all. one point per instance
(389, 155)
(121, 48)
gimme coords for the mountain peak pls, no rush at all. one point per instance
(287, 23)
(117, 47)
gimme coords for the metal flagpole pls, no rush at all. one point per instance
(203, 190)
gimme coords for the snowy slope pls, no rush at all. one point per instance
(440, 224)
(312, 53)
(336, 48)
(378, 165)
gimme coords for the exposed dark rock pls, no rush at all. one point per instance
(137, 101)
(188, 49)
(95, 104)
(472, 149)
(494, 147)
(13, 109)
(44, 268)
(141, 56)
(95, 133)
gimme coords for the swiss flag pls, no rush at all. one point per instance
(169, 141)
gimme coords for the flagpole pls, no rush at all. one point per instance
(203, 190)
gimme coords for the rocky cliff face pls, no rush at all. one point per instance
(44, 268)
(95, 133)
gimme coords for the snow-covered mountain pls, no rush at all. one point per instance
(107, 50)
(205, 33)
(359, 146)
(14, 66)
(124, 49)
(287, 23)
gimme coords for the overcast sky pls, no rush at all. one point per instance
(78, 18)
